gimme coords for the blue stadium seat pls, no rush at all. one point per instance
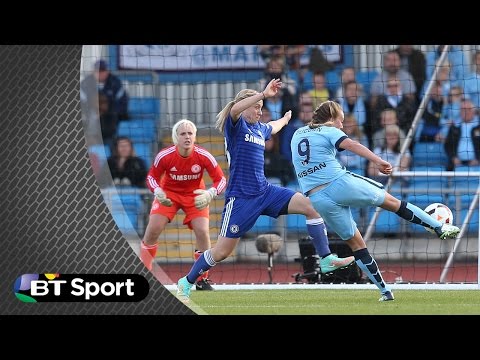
(108, 151)
(307, 81)
(365, 78)
(296, 223)
(143, 107)
(144, 151)
(138, 130)
(333, 81)
(429, 181)
(387, 222)
(128, 205)
(264, 224)
(429, 154)
(472, 224)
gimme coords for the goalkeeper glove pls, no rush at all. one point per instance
(205, 196)
(162, 197)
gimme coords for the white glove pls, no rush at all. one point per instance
(162, 197)
(205, 196)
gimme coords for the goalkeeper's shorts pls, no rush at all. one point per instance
(179, 201)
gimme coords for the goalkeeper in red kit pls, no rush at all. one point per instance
(176, 179)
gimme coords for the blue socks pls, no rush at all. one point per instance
(318, 234)
(203, 263)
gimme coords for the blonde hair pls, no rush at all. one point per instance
(222, 115)
(178, 124)
(325, 114)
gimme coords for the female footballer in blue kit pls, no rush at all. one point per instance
(333, 190)
(249, 194)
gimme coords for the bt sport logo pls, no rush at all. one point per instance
(80, 287)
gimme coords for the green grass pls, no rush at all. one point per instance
(335, 302)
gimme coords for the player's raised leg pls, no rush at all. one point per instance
(415, 215)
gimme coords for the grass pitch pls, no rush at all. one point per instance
(335, 302)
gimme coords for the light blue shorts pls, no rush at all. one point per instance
(350, 190)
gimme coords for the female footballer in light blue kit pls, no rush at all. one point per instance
(333, 190)
(249, 194)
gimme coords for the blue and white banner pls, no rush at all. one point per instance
(203, 57)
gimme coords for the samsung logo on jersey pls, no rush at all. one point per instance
(253, 139)
(185, 177)
(311, 170)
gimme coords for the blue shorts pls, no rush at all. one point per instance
(350, 190)
(240, 214)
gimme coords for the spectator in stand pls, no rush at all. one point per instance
(391, 69)
(390, 151)
(275, 69)
(388, 118)
(126, 168)
(320, 92)
(450, 112)
(471, 84)
(457, 59)
(280, 103)
(394, 98)
(353, 103)
(348, 75)
(353, 162)
(108, 121)
(318, 62)
(430, 125)
(290, 54)
(413, 61)
(104, 82)
(462, 145)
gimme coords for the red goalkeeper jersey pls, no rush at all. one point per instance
(173, 172)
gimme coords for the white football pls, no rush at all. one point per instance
(440, 212)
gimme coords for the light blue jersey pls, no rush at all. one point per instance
(314, 158)
(314, 155)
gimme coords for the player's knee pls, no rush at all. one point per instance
(220, 254)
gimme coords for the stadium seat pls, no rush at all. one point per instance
(429, 181)
(143, 107)
(365, 78)
(108, 151)
(138, 130)
(429, 154)
(144, 151)
(264, 224)
(127, 205)
(333, 81)
(307, 84)
(472, 224)
(387, 222)
(296, 223)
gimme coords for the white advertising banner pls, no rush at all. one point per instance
(202, 57)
